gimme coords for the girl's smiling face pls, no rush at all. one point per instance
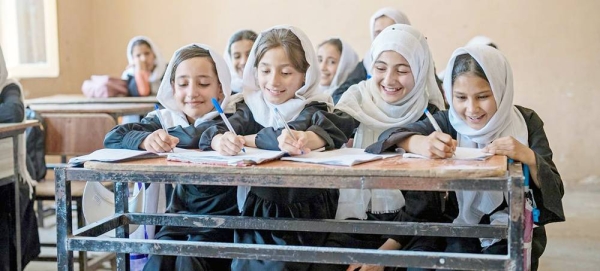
(393, 76)
(473, 100)
(195, 84)
(277, 77)
(240, 50)
(329, 60)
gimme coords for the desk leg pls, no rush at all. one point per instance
(516, 201)
(64, 225)
(17, 208)
(121, 207)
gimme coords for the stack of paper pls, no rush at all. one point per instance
(116, 155)
(252, 156)
(461, 153)
(342, 157)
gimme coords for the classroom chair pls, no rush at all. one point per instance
(72, 135)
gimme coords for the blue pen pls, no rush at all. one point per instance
(162, 124)
(220, 110)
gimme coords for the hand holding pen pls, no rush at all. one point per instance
(159, 140)
(229, 143)
(439, 144)
(290, 141)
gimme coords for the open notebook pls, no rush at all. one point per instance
(341, 157)
(461, 153)
(116, 155)
(252, 156)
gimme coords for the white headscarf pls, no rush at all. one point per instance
(262, 110)
(22, 149)
(159, 63)
(347, 63)
(507, 121)
(236, 80)
(172, 115)
(365, 103)
(397, 16)
(477, 40)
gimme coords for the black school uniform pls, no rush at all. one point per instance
(356, 76)
(548, 197)
(283, 202)
(420, 206)
(186, 199)
(12, 111)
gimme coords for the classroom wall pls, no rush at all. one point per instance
(552, 47)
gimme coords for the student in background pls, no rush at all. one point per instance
(282, 73)
(379, 21)
(395, 95)
(482, 115)
(336, 61)
(236, 55)
(195, 75)
(12, 111)
(146, 67)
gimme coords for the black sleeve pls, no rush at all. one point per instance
(132, 88)
(11, 105)
(314, 118)
(131, 135)
(242, 122)
(548, 197)
(346, 123)
(391, 137)
(356, 76)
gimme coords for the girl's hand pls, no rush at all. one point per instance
(140, 65)
(512, 148)
(227, 144)
(159, 141)
(435, 145)
(291, 146)
(361, 267)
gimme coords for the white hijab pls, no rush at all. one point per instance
(172, 115)
(159, 63)
(507, 121)
(347, 63)
(392, 13)
(22, 150)
(236, 80)
(262, 110)
(364, 103)
(477, 40)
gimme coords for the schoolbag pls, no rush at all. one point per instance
(36, 148)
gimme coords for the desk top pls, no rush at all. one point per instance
(10, 127)
(80, 99)
(108, 108)
(495, 166)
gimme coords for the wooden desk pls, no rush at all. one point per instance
(81, 99)
(9, 174)
(407, 174)
(114, 109)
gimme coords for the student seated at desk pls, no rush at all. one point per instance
(13, 111)
(236, 55)
(379, 21)
(395, 95)
(146, 67)
(336, 61)
(479, 84)
(282, 72)
(195, 75)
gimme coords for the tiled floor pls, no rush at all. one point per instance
(573, 245)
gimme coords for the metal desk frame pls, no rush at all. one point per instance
(86, 238)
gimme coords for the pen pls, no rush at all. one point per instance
(282, 119)
(157, 110)
(220, 110)
(436, 126)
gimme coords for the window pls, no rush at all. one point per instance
(29, 37)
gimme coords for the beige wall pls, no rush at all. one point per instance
(551, 44)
